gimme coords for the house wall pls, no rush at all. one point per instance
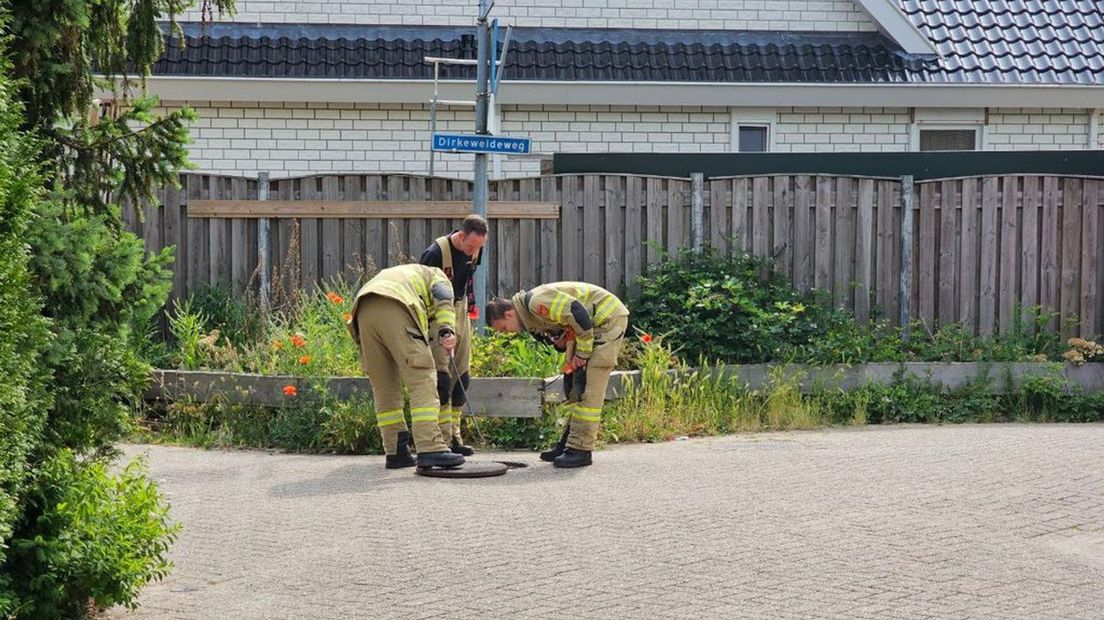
(300, 138)
(836, 15)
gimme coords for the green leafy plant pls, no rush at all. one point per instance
(87, 535)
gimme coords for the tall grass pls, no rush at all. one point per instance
(672, 400)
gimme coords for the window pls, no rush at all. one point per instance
(948, 139)
(753, 138)
(752, 130)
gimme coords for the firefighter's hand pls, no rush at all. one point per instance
(447, 338)
(574, 364)
(560, 341)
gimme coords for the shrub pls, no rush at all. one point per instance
(88, 535)
(729, 308)
(23, 332)
(96, 284)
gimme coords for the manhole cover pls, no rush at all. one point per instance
(470, 469)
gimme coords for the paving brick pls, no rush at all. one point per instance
(900, 522)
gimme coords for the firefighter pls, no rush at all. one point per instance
(457, 254)
(588, 323)
(393, 318)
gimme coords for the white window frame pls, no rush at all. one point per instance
(751, 117)
(953, 119)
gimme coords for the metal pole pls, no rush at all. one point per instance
(482, 76)
(433, 114)
(697, 209)
(264, 262)
(905, 290)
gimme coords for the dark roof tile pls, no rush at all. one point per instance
(1003, 42)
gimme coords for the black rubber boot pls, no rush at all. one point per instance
(461, 449)
(402, 458)
(573, 458)
(439, 459)
(557, 448)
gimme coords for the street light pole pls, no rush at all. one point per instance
(482, 92)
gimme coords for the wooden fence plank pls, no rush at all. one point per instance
(310, 243)
(416, 227)
(741, 227)
(396, 227)
(760, 208)
(507, 257)
(949, 246)
(864, 249)
(1009, 252)
(329, 244)
(782, 239)
(653, 237)
(1048, 277)
(844, 244)
(886, 292)
(219, 241)
(571, 197)
(414, 209)
(1029, 236)
(549, 234)
(352, 232)
(240, 269)
(1071, 255)
(988, 249)
(823, 265)
(718, 214)
(968, 255)
(175, 235)
(925, 252)
(592, 230)
(634, 229)
(375, 248)
(614, 249)
(287, 238)
(1090, 242)
(677, 203)
(803, 234)
(529, 243)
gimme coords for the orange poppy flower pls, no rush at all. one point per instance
(646, 338)
(347, 316)
(290, 391)
(298, 341)
(305, 359)
(276, 344)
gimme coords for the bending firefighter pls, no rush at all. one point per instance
(393, 317)
(588, 323)
(457, 254)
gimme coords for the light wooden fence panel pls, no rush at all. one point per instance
(983, 246)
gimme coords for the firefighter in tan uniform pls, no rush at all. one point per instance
(588, 323)
(393, 317)
(457, 254)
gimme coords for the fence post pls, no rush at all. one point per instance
(697, 209)
(905, 291)
(263, 259)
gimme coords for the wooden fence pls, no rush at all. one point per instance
(980, 245)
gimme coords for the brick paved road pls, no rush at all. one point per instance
(908, 522)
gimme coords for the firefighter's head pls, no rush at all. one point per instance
(502, 316)
(472, 235)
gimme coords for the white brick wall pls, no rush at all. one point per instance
(837, 15)
(806, 130)
(300, 138)
(1015, 129)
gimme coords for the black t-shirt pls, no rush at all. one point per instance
(462, 268)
